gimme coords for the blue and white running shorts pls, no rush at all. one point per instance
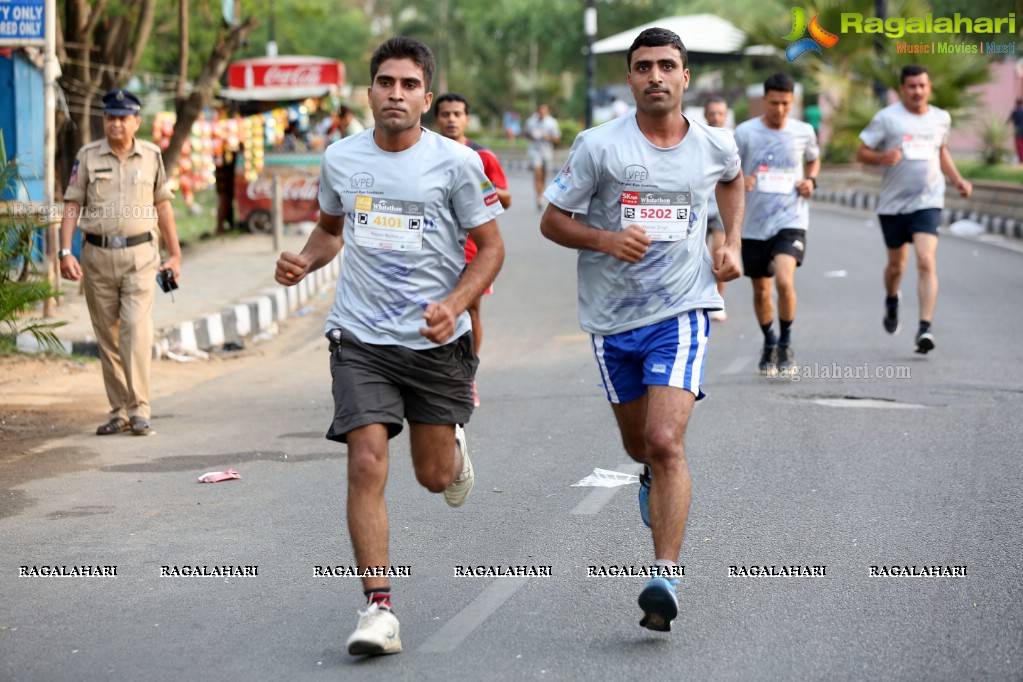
(668, 353)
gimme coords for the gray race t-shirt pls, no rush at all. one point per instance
(537, 129)
(915, 182)
(775, 158)
(712, 207)
(615, 177)
(406, 216)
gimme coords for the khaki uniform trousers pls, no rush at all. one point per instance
(119, 286)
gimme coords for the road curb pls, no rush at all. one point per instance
(235, 323)
(867, 201)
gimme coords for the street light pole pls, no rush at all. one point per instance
(590, 30)
(880, 89)
(271, 43)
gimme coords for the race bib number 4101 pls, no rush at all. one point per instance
(388, 223)
(664, 215)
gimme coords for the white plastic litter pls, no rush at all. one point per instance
(835, 273)
(192, 355)
(966, 228)
(605, 478)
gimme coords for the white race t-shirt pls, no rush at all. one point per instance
(406, 216)
(915, 182)
(776, 158)
(615, 177)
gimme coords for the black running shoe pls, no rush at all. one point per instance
(891, 318)
(768, 361)
(786, 361)
(924, 342)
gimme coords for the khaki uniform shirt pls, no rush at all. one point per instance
(118, 197)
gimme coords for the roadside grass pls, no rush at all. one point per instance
(199, 220)
(1002, 172)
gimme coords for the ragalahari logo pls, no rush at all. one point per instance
(818, 36)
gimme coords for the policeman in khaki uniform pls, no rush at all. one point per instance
(119, 190)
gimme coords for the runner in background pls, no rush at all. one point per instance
(910, 139)
(452, 120)
(780, 161)
(715, 111)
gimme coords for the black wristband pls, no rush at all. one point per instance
(813, 179)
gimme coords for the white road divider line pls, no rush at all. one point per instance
(449, 637)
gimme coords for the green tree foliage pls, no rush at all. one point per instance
(501, 54)
(338, 30)
(510, 54)
(845, 73)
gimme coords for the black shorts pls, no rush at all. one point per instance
(387, 384)
(758, 254)
(899, 228)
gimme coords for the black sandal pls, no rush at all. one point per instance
(140, 426)
(118, 425)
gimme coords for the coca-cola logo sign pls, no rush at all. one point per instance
(285, 72)
(277, 76)
(293, 188)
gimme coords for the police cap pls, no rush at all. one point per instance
(120, 102)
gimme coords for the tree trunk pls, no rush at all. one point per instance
(182, 54)
(212, 70)
(97, 53)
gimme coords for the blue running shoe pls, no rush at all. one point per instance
(644, 496)
(659, 603)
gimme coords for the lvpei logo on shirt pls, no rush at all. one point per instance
(817, 39)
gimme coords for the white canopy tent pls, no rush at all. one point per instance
(704, 33)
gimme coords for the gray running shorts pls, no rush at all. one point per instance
(387, 384)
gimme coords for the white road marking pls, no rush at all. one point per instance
(449, 637)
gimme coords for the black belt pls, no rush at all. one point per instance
(108, 241)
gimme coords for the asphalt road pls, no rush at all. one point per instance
(920, 467)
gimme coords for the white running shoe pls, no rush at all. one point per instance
(458, 492)
(377, 633)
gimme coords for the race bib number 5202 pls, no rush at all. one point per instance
(664, 215)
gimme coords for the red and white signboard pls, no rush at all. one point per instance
(282, 78)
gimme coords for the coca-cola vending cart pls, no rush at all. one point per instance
(260, 84)
(300, 181)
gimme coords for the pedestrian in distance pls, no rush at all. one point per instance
(715, 111)
(619, 108)
(780, 162)
(343, 123)
(1016, 118)
(543, 132)
(401, 200)
(452, 120)
(910, 139)
(632, 199)
(118, 191)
